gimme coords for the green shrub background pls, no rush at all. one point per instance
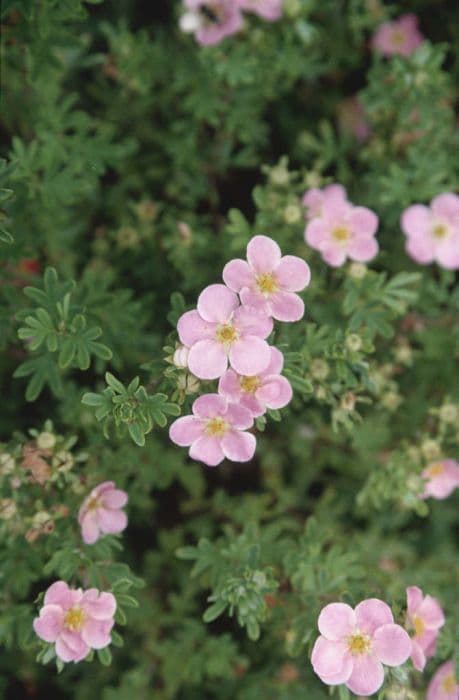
(136, 164)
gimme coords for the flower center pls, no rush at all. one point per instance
(267, 283)
(216, 427)
(359, 644)
(449, 683)
(419, 626)
(398, 37)
(439, 231)
(341, 234)
(226, 333)
(436, 469)
(249, 385)
(74, 619)
(212, 13)
(93, 504)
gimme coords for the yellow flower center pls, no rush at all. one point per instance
(398, 37)
(439, 231)
(216, 427)
(226, 333)
(74, 619)
(359, 644)
(341, 233)
(93, 504)
(267, 283)
(249, 385)
(448, 683)
(419, 626)
(436, 469)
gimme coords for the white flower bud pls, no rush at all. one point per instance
(180, 358)
(46, 441)
(190, 22)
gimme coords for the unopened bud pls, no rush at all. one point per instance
(6, 463)
(180, 357)
(46, 441)
(293, 214)
(354, 342)
(190, 22)
(431, 449)
(391, 400)
(192, 384)
(449, 413)
(348, 401)
(357, 270)
(320, 369)
(7, 508)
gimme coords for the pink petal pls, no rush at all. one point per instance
(416, 220)
(50, 623)
(431, 613)
(371, 614)
(275, 392)
(237, 274)
(60, 594)
(209, 406)
(185, 430)
(70, 647)
(413, 599)
(331, 661)
(238, 446)
(317, 232)
(90, 528)
(276, 362)
(435, 690)
(255, 300)
(192, 328)
(421, 249)
(114, 498)
(263, 254)
(112, 521)
(333, 255)
(363, 248)
(446, 205)
(249, 355)
(229, 386)
(391, 644)
(447, 253)
(363, 221)
(418, 656)
(216, 303)
(208, 450)
(287, 306)
(336, 620)
(239, 417)
(207, 359)
(293, 273)
(249, 321)
(251, 403)
(367, 675)
(100, 606)
(96, 633)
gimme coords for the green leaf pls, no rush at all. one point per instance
(105, 656)
(215, 610)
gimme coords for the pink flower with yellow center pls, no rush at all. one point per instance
(432, 233)
(221, 331)
(268, 281)
(271, 10)
(442, 478)
(211, 20)
(443, 685)
(76, 621)
(215, 430)
(354, 645)
(100, 512)
(400, 37)
(425, 617)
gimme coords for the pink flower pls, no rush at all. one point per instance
(354, 645)
(265, 390)
(215, 431)
(268, 9)
(315, 200)
(211, 20)
(75, 620)
(100, 512)
(443, 685)
(221, 330)
(433, 233)
(401, 36)
(441, 479)
(343, 231)
(425, 616)
(267, 281)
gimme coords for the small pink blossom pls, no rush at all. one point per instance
(220, 330)
(76, 621)
(343, 231)
(402, 36)
(267, 281)
(354, 645)
(270, 10)
(433, 232)
(443, 685)
(215, 430)
(100, 512)
(442, 478)
(260, 392)
(211, 20)
(425, 616)
(315, 200)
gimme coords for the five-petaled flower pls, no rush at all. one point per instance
(433, 232)
(269, 389)
(354, 645)
(267, 281)
(425, 616)
(215, 430)
(76, 621)
(442, 478)
(402, 36)
(443, 685)
(220, 330)
(100, 512)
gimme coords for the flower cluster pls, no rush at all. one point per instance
(212, 20)
(225, 338)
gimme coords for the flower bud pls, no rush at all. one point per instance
(180, 357)
(348, 401)
(46, 441)
(7, 463)
(357, 270)
(320, 369)
(431, 449)
(449, 413)
(7, 508)
(354, 342)
(391, 400)
(192, 384)
(292, 214)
